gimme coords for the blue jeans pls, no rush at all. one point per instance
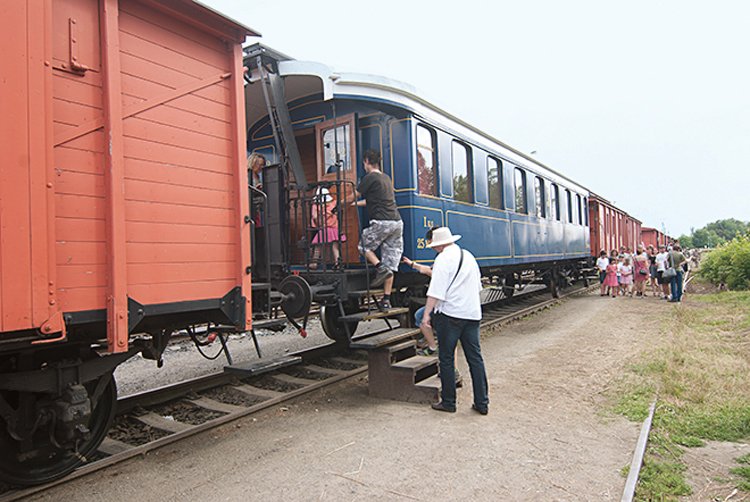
(675, 286)
(449, 331)
(418, 315)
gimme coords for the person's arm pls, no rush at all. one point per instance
(428, 308)
(422, 269)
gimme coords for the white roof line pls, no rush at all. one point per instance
(331, 80)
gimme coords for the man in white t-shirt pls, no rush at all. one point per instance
(453, 295)
(661, 265)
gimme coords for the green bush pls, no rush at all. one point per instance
(729, 264)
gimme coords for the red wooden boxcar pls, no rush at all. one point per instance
(653, 237)
(123, 195)
(611, 227)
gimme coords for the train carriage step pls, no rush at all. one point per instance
(263, 366)
(357, 294)
(373, 314)
(378, 341)
(270, 324)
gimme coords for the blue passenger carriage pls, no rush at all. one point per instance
(521, 219)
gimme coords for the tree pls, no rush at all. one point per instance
(714, 234)
(686, 241)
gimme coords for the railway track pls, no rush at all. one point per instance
(152, 419)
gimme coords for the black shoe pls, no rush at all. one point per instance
(385, 304)
(441, 407)
(480, 411)
(380, 277)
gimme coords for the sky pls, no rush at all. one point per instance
(646, 103)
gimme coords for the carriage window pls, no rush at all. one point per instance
(336, 147)
(495, 181)
(520, 179)
(586, 211)
(539, 196)
(554, 204)
(461, 172)
(579, 210)
(570, 206)
(425, 161)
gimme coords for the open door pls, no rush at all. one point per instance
(337, 164)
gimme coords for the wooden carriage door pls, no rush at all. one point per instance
(335, 140)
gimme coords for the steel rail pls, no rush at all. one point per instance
(176, 391)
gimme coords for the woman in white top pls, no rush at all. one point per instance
(601, 266)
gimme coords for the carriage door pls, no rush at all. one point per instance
(337, 163)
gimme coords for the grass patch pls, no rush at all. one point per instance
(700, 369)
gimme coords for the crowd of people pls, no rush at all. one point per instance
(634, 274)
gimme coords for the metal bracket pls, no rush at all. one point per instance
(75, 65)
(52, 330)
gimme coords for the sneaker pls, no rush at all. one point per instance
(441, 407)
(385, 304)
(380, 277)
(481, 411)
(427, 351)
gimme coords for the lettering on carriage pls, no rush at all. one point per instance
(421, 243)
(427, 223)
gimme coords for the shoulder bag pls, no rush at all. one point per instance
(670, 272)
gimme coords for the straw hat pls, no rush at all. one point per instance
(322, 195)
(442, 236)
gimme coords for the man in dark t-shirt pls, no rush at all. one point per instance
(386, 229)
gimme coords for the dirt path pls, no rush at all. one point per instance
(544, 439)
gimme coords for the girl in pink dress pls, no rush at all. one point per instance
(611, 278)
(325, 220)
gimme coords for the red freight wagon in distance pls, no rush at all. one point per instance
(611, 227)
(653, 237)
(123, 207)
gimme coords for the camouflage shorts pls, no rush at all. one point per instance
(388, 235)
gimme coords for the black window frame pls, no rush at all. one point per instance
(500, 189)
(540, 199)
(469, 172)
(434, 148)
(525, 208)
(555, 201)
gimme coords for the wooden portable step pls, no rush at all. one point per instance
(416, 363)
(432, 382)
(262, 366)
(373, 314)
(382, 340)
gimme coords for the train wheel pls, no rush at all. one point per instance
(38, 458)
(333, 328)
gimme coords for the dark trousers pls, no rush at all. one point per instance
(450, 331)
(675, 286)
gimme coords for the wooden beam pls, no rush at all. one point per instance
(114, 175)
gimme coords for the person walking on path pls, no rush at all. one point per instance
(385, 230)
(676, 260)
(641, 272)
(453, 296)
(661, 265)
